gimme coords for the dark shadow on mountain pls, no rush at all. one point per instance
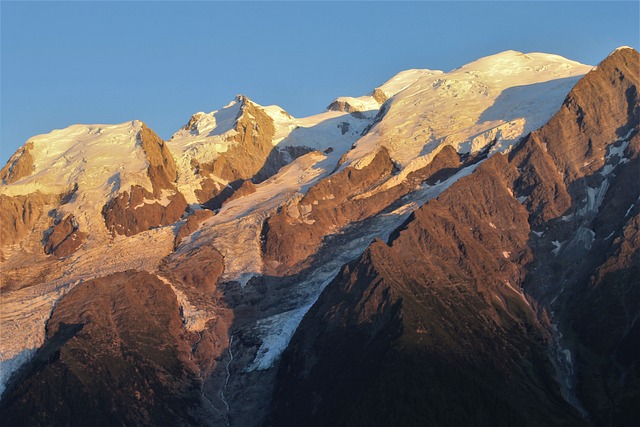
(518, 101)
(48, 353)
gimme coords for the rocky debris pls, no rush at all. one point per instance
(19, 215)
(19, 166)
(116, 353)
(64, 238)
(192, 224)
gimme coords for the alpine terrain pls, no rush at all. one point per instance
(455, 248)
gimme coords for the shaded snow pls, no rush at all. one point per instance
(10, 365)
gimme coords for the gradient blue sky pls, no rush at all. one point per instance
(109, 62)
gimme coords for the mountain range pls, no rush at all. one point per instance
(455, 248)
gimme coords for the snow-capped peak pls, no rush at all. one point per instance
(93, 161)
(498, 98)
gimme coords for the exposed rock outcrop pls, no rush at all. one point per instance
(19, 214)
(19, 166)
(192, 224)
(197, 270)
(436, 312)
(250, 155)
(64, 238)
(138, 211)
(297, 231)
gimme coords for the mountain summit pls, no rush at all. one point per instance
(453, 248)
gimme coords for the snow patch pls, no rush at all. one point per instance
(557, 245)
(193, 318)
(276, 332)
(585, 236)
(8, 366)
(595, 197)
(629, 210)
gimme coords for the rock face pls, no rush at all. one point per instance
(19, 214)
(432, 328)
(65, 238)
(448, 323)
(192, 224)
(139, 209)
(20, 165)
(297, 231)
(116, 353)
(250, 155)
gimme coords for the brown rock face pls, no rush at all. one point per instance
(297, 231)
(162, 168)
(19, 166)
(249, 158)
(432, 328)
(19, 214)
(380, 96)
(128, 213)
(252, 157)
(192, 224)
(247, 187)
(197, 270)
(602, 107)
(65, 238)
(116, 354)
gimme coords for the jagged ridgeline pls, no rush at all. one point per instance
(456, 248)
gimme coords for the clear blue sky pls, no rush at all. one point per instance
(109, 62)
